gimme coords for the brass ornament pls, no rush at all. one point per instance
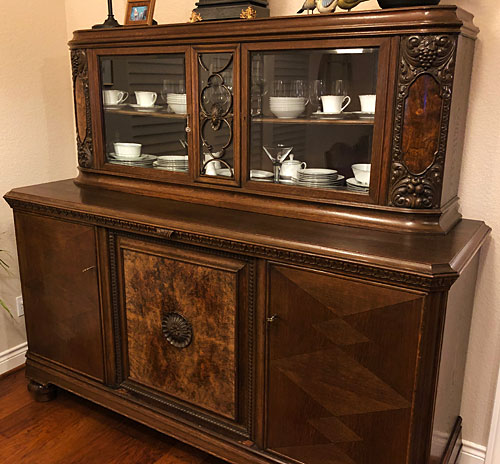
(249, 13)
(195, 17)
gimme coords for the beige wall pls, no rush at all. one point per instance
(36, 144)
(36, 128)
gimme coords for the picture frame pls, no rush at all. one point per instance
(139, 12)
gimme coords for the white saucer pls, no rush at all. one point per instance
(142, 157)
(355, 183)
(364, 114)
(329, 115)
(115, 107)
(257, 174)
(145, 108)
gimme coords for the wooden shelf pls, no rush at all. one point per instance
(153, 114)
(348, 122)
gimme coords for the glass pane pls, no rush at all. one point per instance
(216, 114)
(144, 101)
(312, 115)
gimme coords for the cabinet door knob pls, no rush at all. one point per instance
(272, 319)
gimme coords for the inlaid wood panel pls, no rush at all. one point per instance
(58, 267)
(342, 363)
(181, 316)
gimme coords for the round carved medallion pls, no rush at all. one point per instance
(177, 330)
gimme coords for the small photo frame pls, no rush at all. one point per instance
(139, 12)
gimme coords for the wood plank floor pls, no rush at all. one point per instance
(70, 430)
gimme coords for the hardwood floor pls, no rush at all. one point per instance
(70, 430)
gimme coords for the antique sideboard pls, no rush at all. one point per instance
(185, 280)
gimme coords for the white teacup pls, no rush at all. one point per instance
(290, 168)
(335, 103)
(113, 97)
(132, 150)
(146, 99)
(368, 103)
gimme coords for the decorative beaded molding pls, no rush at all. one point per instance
(128, 385)
(364, 271)
(80, 70)
(433, 55)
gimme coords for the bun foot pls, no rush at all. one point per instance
(42, 393)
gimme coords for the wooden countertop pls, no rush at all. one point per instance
(258, 234)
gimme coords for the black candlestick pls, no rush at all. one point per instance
(111, 21)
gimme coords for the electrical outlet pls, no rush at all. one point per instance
(20, 306)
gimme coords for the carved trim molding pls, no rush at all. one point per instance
(79, 65)
(432, 55)
(364, 271)
(127, 384)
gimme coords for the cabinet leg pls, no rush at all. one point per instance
(42, 393)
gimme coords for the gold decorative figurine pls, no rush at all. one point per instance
(195, 17)
(249, 13)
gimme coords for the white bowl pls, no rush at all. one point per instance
(287, 113)
(287, 99)
(178, 108)
(362, 173)
(132, 150)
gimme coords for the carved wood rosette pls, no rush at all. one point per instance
(83, 117)
(423, 105)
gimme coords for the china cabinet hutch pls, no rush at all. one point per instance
(265, 307)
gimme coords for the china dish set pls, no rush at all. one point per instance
(146, 101)
(129, 154)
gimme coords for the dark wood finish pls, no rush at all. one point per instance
(342, 363)
(59, 273)
(253, 321)
(42, 393)
(205, 291)
(230, 9)
(83, 113)
(412, 167)
(332, 373)
(71, 429)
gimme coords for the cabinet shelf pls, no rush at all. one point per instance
(348, 122)
(154, 114)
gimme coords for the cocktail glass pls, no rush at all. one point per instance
(277, 154)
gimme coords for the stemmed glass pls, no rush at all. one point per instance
(277, 154)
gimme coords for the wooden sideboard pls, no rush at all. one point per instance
(256, 338)
(193, 286)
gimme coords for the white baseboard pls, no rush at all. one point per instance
(472, 453)
(13, 358)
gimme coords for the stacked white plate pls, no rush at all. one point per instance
(355, 186)
(287, 107)
(140, 160)
(178, 163)
(177, 102)
(319, 178)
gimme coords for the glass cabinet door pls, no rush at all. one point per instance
(312, 114)
(216, 108)
(145, 111)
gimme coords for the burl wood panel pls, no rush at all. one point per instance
(81, 109)
(60, 290)
(342, 357)
(205, 372)
(421, 124)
